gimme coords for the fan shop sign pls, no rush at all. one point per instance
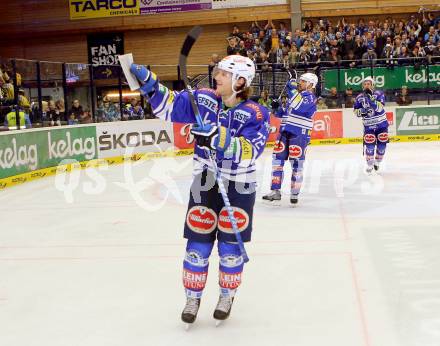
(86, 9)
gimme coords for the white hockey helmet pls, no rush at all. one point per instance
(310, 78)
(240, 67)
(368, 79)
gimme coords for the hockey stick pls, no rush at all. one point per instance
(276, 103)
(190, 39)
(291, 75)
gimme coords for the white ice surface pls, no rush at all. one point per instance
(357, 263)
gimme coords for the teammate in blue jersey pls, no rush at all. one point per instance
(369, 105)
(294, 137)
(236, 130)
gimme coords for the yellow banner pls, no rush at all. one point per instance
(86, 9)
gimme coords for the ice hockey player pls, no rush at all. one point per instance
(294, 137)
(369, 105)
(235, 129)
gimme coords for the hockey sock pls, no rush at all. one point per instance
(230, 268)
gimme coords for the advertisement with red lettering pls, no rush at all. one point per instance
(183, 139)
(327, 124)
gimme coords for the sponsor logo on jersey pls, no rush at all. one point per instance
(279, 147)
(227, 280)
(193, 280)
(207, 102)
(201, 219)
(369, 138)
(295, 151)
(231, 261)
(241, 116)
(241, 217)
(383, 137)
(257, 109)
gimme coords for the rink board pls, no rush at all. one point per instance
(46, 172)
(36, 153)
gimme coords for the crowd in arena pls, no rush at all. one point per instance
(320, 43)
(347, 44)
(325, 43)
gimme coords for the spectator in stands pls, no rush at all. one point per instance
(404, 56)
(333, 100)
(359, 48)
(236, 33)
(265, 100)
(370, 57)
(436, 54)
(23, 101)
(348, 44)
(7, 88)
(403, 99)
(389, 55)
(75, 113)
(333, 58)
(350, 60)
(241, 49)
(232, 46)
(249, 41)
(320, 104)
(11, 119)
(86, 117)
(255, 29)
(293, 55)
(107, 111)
(214, 60)
(53, 114)
(348, 98)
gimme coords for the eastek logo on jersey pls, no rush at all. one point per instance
(412, 121)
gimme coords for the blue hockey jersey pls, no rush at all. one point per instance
(248, 122)
(298, 116)
(371, 110)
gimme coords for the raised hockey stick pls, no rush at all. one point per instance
(292, 74)
(190, 39)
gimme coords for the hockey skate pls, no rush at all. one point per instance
(223, 309)
(369, 170)
(190, 310)
(274, 197)
(376, 166)
(293, 200)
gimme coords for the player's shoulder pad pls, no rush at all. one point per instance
(260, 112)
(208, 98)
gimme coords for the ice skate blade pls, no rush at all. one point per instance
(187, 326)
(218, 323)
(272, 203)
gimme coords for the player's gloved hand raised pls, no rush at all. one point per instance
(213, 137)
(147, 78)
(275, 105)
(291, 87)
(369, 93)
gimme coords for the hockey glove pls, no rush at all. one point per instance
(275, 105)
(292, 87)
(212, 137)
(146, 77)
(370, 94)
